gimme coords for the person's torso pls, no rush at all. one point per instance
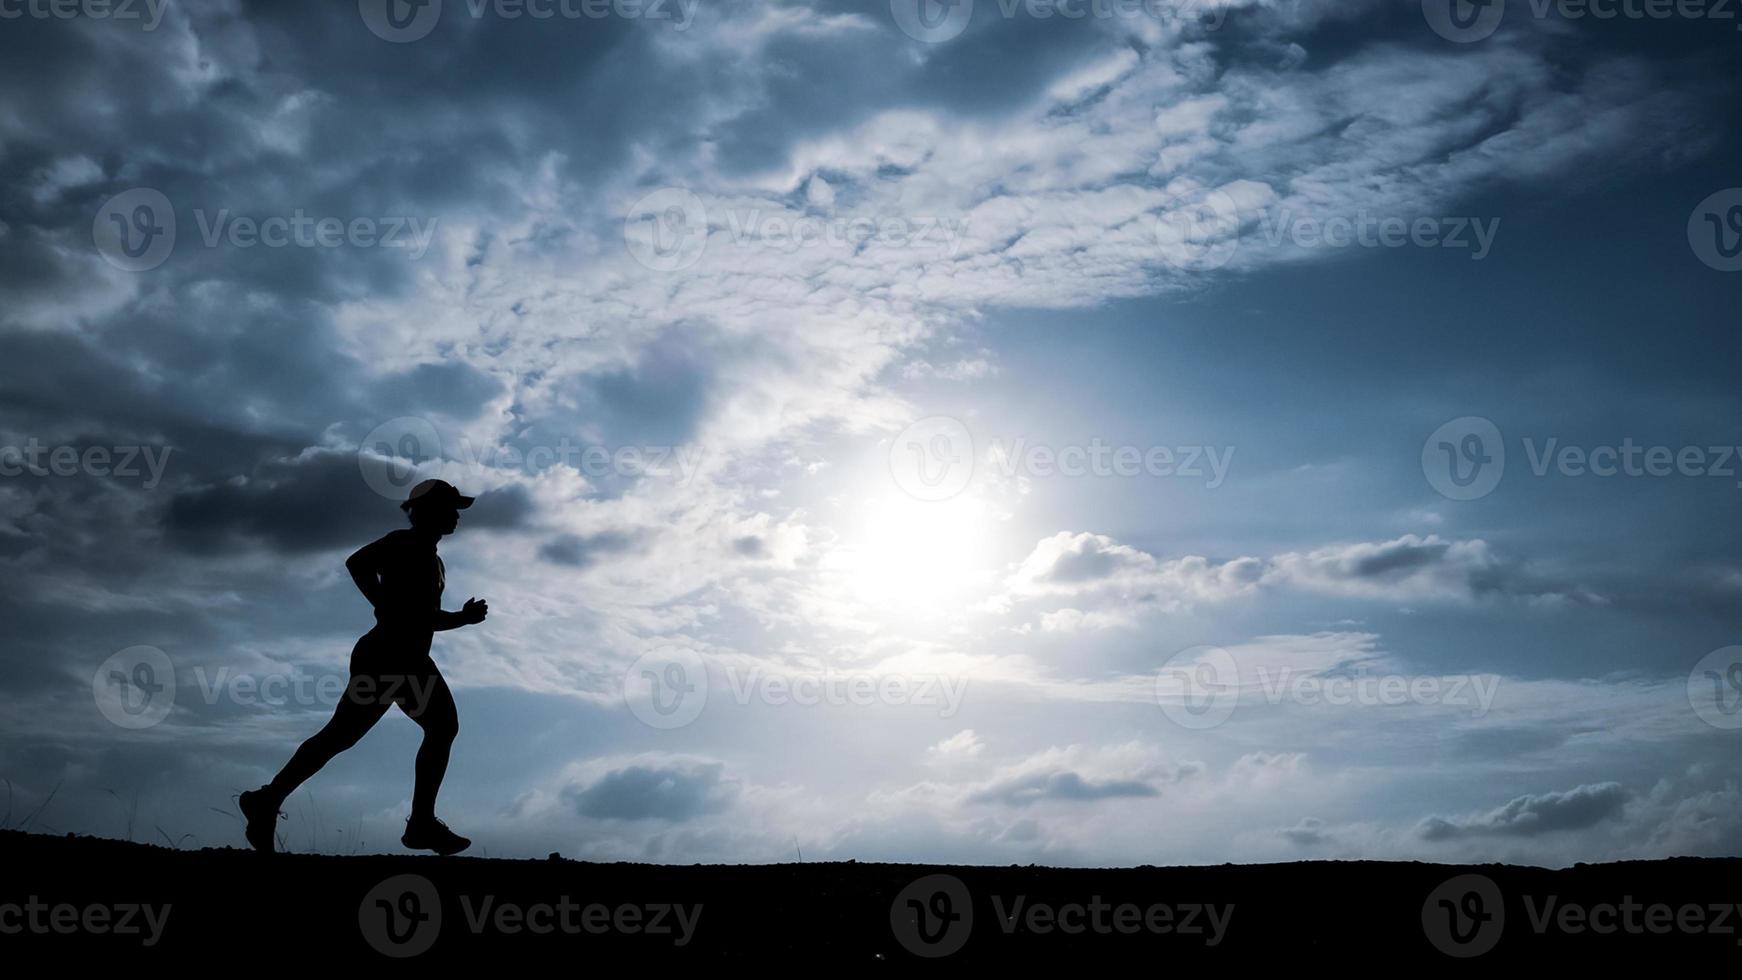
(412, 579)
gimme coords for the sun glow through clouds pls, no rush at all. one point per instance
(915, 558)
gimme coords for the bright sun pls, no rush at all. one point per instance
(918, 558)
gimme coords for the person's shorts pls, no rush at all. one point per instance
(393, 668)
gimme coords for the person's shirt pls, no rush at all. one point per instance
(411, 577)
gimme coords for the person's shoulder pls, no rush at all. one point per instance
(394, 539)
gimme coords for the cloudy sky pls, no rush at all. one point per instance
(984, 433)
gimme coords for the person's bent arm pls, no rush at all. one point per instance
(474, 611)
(365, 569)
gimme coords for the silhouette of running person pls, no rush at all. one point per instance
(402, 577)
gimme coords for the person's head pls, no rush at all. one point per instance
(434, 506)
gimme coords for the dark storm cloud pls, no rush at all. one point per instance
(660, 398)
(1397, 556)
(54, 383)
(997, 66)
(452, 388)
(1309, 831)
(310, 503)
(1527, 816)
(655, 792)
(1089, 558)
(1499, 743)
(222, 108)
(582, 551)
(223, 390)
(1060, 785)
(504, 508)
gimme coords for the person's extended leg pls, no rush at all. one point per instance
(357, 712)
(429, 703)
(434, 711)
(351, 720)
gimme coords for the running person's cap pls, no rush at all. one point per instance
(437, 492)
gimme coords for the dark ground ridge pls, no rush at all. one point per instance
(78, 899)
